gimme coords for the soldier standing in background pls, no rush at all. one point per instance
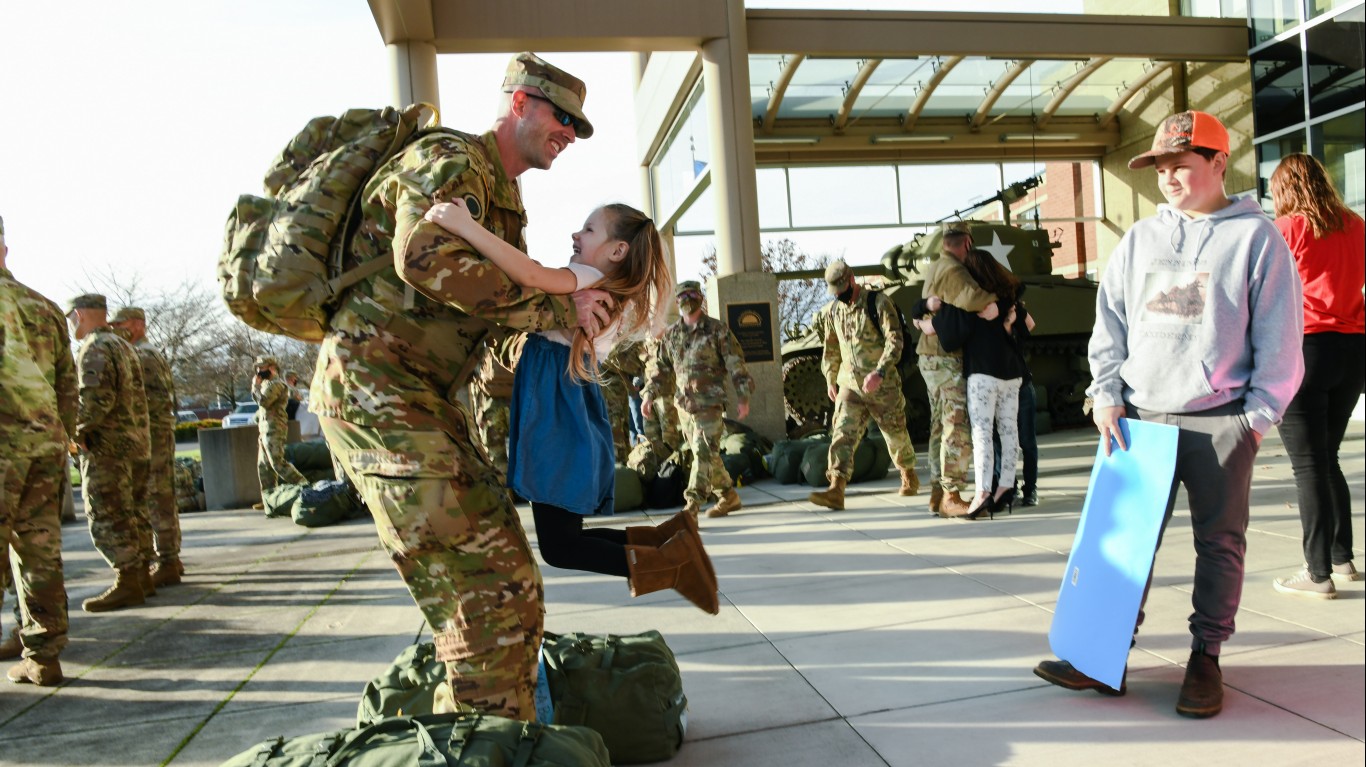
(693, 358)
(490, 396)
(622, 364)
(111, 432)
(37, 419)
(661, 426)
(159, 387)
(292, 406)
(950, 434)
(272, 424)
(862, 379)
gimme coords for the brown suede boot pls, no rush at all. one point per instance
(728, 503)
(832, 497)
(167, 572)
(11, 647)
(953, 505)
(676, 565)
(44, 672)
(655, 537)
(126, 592)
(936, 498)
(910, 483)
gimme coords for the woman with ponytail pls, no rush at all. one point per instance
(560, 453)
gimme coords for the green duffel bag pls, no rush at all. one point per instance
(815, 460)
(435, 740)
(786, 463)
(407, 687)
(279, 500)
(629, 493)
(864, 459)
(627, 688)
(739, 466)
(882, 460)
(325, 502)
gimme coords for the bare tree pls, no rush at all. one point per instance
(798, 300)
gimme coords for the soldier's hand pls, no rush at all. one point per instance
(592, 307)
(990, 313)
(647, 408)
(933, 303)
(926, 327)
(872, 382)
(832, 392)
(1107, 422)
(742, 410)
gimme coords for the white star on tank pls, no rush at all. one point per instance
(999, 250)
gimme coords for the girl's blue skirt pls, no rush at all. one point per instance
(560, 448)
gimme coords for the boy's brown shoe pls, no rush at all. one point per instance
(1062, 674)
(1202, 692)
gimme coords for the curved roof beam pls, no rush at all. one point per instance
(776, 99)
(923, 97)
(860, 80)
(997, 88)
(1070, 85)
(1132, 90)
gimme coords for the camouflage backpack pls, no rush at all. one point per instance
(283, 254)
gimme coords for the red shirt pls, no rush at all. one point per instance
(1333, 271)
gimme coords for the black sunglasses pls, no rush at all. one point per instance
(562, 117)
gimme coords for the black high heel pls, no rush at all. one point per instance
(1007, 500)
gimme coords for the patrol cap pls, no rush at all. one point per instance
(265, 362)
(687, 285)
(87, 301)
(837, 274)
(1183, 132)
(129, 313)
(563, 89)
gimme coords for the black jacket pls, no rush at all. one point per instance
(987, 348)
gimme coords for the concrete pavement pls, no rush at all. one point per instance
(874, 636)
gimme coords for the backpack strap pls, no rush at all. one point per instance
(871, 308)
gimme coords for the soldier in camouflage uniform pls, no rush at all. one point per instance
(661, 425)
(621, 365)
(111, 432)
(490, 396)
(860, 367)
(950, 432)
(386, 380)
(159, 387)
(270, 391)
(693, 358)
(37, 419)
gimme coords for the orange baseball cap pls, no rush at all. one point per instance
(1183, 132)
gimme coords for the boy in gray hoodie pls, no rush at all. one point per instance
(1198, 325)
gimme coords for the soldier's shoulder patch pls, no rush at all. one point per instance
(475, 207)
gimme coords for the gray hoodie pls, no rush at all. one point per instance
(1194, 313)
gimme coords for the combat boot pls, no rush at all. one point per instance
(953, 505)
(832, 497)
(910, 483)
(657, 536)
(728, 503)
(692, 508)
(145, 580)
(126, 592)
(11, 647)
(936, 498)
(167, 572)
(676, 565)
(44, 672)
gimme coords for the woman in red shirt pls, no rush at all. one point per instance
(1329, 246)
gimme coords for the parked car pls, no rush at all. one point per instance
(185, 416)
(244, 415)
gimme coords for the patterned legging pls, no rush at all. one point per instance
(992, 406)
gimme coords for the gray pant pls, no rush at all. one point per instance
(1215, 452)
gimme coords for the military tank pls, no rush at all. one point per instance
(1063, 308)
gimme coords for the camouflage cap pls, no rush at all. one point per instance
(836, 275)
(129, 313)
(1183, 132)
(265, 362)
(563, 89)
(687, 285)
(87, 301)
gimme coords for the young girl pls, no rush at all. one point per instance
(560, 453)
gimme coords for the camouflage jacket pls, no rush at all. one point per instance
(491, 377)
(399, 339)
(112, 421)
(627, 359)
(947, 278)
(700, 356)
(854, 347)
(35, 412)
(273, 397)
(158, 384)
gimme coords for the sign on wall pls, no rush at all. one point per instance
(752, 325)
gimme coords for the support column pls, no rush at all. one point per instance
(412, 65)
(741, 279)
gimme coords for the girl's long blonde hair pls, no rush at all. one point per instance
(636, 284)
(1300, 184)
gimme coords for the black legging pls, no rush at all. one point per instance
(565, 544)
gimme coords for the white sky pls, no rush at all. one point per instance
(128, 129)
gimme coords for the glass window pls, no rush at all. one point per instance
(685, 154)
(1319, 7)
(940, 192)
(772, 190)
(1272, 17)
(1269, 154)
(1334, 52)
(1338, 143)
(1215, 9)
(1278, 86)
(843, 196)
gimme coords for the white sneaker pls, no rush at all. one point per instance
(1300, 584)
(1345, 573)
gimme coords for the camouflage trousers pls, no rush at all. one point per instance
(454, 536)
(491, 420)
(950, 432)
(162, 510)
(662, 430)
(271, 467)
(617, 394)
(704, 431)
(115, 493)
(886, 406)
(31, 541)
